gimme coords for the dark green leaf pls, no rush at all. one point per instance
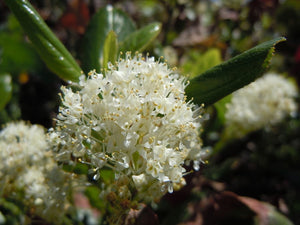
(5, 89)
(110, 50)
(12, 212)
(223, 79)
(92, 194)
(101, 24)
(50, 49)
(140, 39)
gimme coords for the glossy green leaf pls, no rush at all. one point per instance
(110, 50)
(140, 39)
(50, 49)
(5, 89)
(105, 20)
(225, 78)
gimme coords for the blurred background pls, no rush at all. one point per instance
(196, 35)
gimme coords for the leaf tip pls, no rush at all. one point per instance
(271, 52)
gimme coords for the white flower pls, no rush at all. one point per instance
(21, 146)
(134, 119)
(260, 104)
(27, 167)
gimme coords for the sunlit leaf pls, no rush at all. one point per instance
(5, 89)
(50, 49)
(105, 20)
(110, 50)
(140, 39)
(231, 75)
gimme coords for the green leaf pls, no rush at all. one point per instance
(223, 79)
(92, 193)
(274, 218)
(105, 20)
(26, 58)
(12, 212)
(204, 61)
(221, 108)
(140, 39)
(110, 50)
(50, 49)
(5, 89)
(107, 175)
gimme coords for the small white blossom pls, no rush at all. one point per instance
(262, 103)
(134, 119)
(26, 167)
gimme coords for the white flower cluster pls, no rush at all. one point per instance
(26, 167)
(260, 104)
(135, 120)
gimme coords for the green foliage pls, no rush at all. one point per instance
(11, 212)
(105, 20)
(5, 89)
(223, 79)
(92, 192)
(78, 168)
(110, 50)
(221, 108)
(50, 49)
(99, 41)
(140, 39)
(16, 55)
(107, 176)
(197, 63)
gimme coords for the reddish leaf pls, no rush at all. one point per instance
(266, 213)
(230, 208)
(76, 17)
(260, 208)
(297, 55)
